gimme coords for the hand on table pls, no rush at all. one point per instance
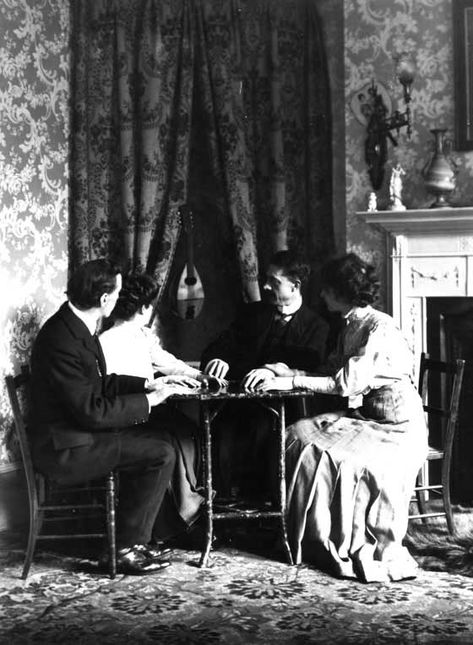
(280, 369)
(174, 379)
(217, 367)
(285, 383)
(161, 388)
(211, 383)
(257, 379)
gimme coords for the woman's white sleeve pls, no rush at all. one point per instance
(358, 374)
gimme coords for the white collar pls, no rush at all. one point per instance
(89, 317)
(357, 312)
(290, 310)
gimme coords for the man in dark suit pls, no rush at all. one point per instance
(84, 423)
(281, 330)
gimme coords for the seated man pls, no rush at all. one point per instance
(84, 423)
(283, 330)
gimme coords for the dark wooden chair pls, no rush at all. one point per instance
(55, 508)
(440, 385)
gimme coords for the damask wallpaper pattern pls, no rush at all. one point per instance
(34, 73)
(376, 31)
(34, 89)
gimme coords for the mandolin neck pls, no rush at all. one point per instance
(190, 256)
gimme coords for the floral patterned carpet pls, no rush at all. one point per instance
(242, 597)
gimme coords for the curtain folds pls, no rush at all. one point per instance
(254, 72)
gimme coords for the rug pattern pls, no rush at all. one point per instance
(240, 598)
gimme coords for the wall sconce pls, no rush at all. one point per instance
(380, 126)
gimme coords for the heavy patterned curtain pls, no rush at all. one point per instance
(251, 75)
(132, 88)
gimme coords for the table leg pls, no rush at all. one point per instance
(207, 459)
(282, 478)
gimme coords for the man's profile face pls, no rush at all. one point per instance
(280, 289)
(109, 300)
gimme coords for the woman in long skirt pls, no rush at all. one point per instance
(351, 473)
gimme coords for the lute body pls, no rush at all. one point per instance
(190, 291)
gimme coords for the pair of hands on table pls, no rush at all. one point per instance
(274, 376)
(162, 387)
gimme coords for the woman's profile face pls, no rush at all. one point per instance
(330, 299)
(333, 302)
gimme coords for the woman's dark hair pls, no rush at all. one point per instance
(292, 265)
(88, 283)
(138, 290)
(351, 279)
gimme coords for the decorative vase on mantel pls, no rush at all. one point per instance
(439, 172)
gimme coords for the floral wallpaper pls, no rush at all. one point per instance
(376, 32)
(34, 88)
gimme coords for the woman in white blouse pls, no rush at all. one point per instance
(351, 473)
(130, 347)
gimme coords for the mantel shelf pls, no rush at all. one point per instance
(449, 220)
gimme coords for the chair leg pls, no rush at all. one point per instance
(447, 502)
(111, 531)
(420, 495)
(35, 521)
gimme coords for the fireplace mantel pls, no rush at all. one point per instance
(429, 254)
(439, 220)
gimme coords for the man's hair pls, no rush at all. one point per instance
(352, 280)
(292, 265)
(138, 290)
(90, 281)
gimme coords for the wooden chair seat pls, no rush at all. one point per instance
(58, 512)
(435, 453)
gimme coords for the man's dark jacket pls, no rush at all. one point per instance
(244, 345)
(71, 395)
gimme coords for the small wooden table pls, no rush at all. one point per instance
(210, 406)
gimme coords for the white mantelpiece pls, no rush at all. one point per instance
(429, 254)
(434, 220)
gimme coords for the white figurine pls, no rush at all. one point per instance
(395, 189)
(372, 203)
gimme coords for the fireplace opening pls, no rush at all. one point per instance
(450, 336)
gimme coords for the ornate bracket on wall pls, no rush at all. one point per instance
(380, 127)
(374, 107)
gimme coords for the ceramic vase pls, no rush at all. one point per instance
(439, 173)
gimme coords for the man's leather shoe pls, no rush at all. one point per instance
(151, 552)
(132, 562)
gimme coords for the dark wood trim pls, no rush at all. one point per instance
(462, 15)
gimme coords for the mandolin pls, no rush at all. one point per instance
(190, 292)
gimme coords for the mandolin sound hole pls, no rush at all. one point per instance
(190, 281)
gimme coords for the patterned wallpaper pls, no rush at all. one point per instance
(34, 70)
(376, 31)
